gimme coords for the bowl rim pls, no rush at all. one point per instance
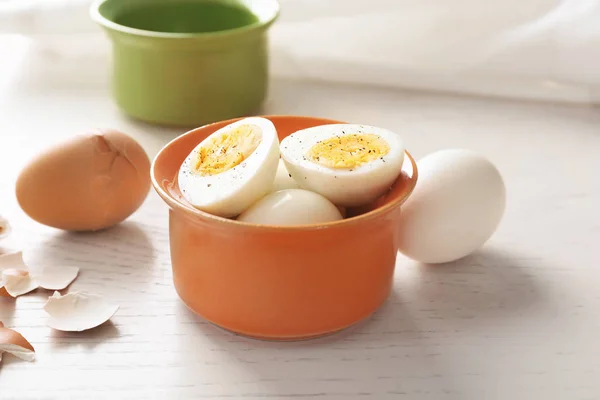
(96, 16)
(178, 206)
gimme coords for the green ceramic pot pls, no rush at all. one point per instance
(188, 62)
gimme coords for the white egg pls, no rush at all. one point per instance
(455, 208)
(351, 165)
(232, 168)
(283, 179)
(291, 207)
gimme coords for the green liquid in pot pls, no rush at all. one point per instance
(186, 16)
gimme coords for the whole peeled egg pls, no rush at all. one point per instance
(291, 207)
(456, 206)
(90, 182)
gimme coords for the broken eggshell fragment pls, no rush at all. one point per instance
(14, 275)
(90, 182)
(14, 343)
(18, 282)
(78, 311)
(16, 279)
(57, 278)
(12, 260)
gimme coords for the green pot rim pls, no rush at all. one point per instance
(224, 34)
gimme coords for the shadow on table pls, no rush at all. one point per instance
(123, 251)
(83, 341)
(431, 309)
(487, 285)
(86, 340)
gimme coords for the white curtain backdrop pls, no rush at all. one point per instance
(533, 49)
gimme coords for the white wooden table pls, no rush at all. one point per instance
(518, 320)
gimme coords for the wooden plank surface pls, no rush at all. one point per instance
(517, 320)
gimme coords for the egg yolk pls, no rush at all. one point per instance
(225, 151)
(348, 151)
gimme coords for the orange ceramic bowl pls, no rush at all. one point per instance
(280, 282)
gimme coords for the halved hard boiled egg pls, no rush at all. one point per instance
(232, 168)
(351, 165)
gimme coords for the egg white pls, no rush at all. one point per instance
(291, 207)
(347, 187)
(228, 193)
(283, 179)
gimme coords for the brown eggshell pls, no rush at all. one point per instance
(90, 182)
(13, 342)
(4, 227)
(14, 337)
